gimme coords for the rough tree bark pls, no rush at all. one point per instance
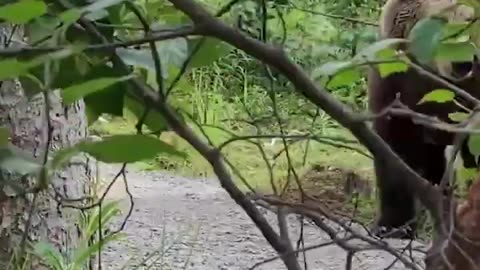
(26, 121)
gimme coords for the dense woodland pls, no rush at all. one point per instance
(268, 98)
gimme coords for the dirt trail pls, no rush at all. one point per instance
(203, 229)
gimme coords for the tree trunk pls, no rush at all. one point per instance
(26, 121)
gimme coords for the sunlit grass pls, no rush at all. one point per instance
(245, 156)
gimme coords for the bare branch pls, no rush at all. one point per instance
(276, 57)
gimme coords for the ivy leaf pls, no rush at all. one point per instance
(439, 96)
(425, 37)
(458, 116)
(474, 145)
(344, 78)
(23, 12)
(78, 91)
(210, 50)
(127, 148)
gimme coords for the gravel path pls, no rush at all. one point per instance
(202, 228)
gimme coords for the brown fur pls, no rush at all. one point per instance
(420, 147)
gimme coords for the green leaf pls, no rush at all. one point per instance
(23, 11)
(455, 52)
(344, 78)
(458, 116)
(4, 135)
(109, 210)
(16, 160)
(171, 53)
(330, 68)
(110, 100)
(12, 68)
(127, 148)
(370, 52)
(78, 91)
(70, 71)
(391, 67)
(40, 28)
(82, 256)
(61, 157)
(210, 50)
(467, 173)
(117, 149)
(91, 227)
(474, 145)
(70, 16)
(50, 255)
(101, 4)
(452, 30)
(425, 37)
(386, 69)
(439, 96)
(154, 121)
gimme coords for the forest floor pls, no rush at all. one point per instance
(193, 224)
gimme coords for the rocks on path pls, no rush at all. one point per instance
(201, 228)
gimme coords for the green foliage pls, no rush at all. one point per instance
(88, 246)
(439, 96)
(223, 93)
(425, 37)
(391, 64)
(117, 149)
(4, 136)
(458, 116)
(209, 50)
(12, 68)
(23, 11)
(78, 91)
(16, 160)
(344, 78)
(474, 145)
(455, 52)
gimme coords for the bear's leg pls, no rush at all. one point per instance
(397, 203)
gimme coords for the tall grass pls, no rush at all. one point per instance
(222, 98)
